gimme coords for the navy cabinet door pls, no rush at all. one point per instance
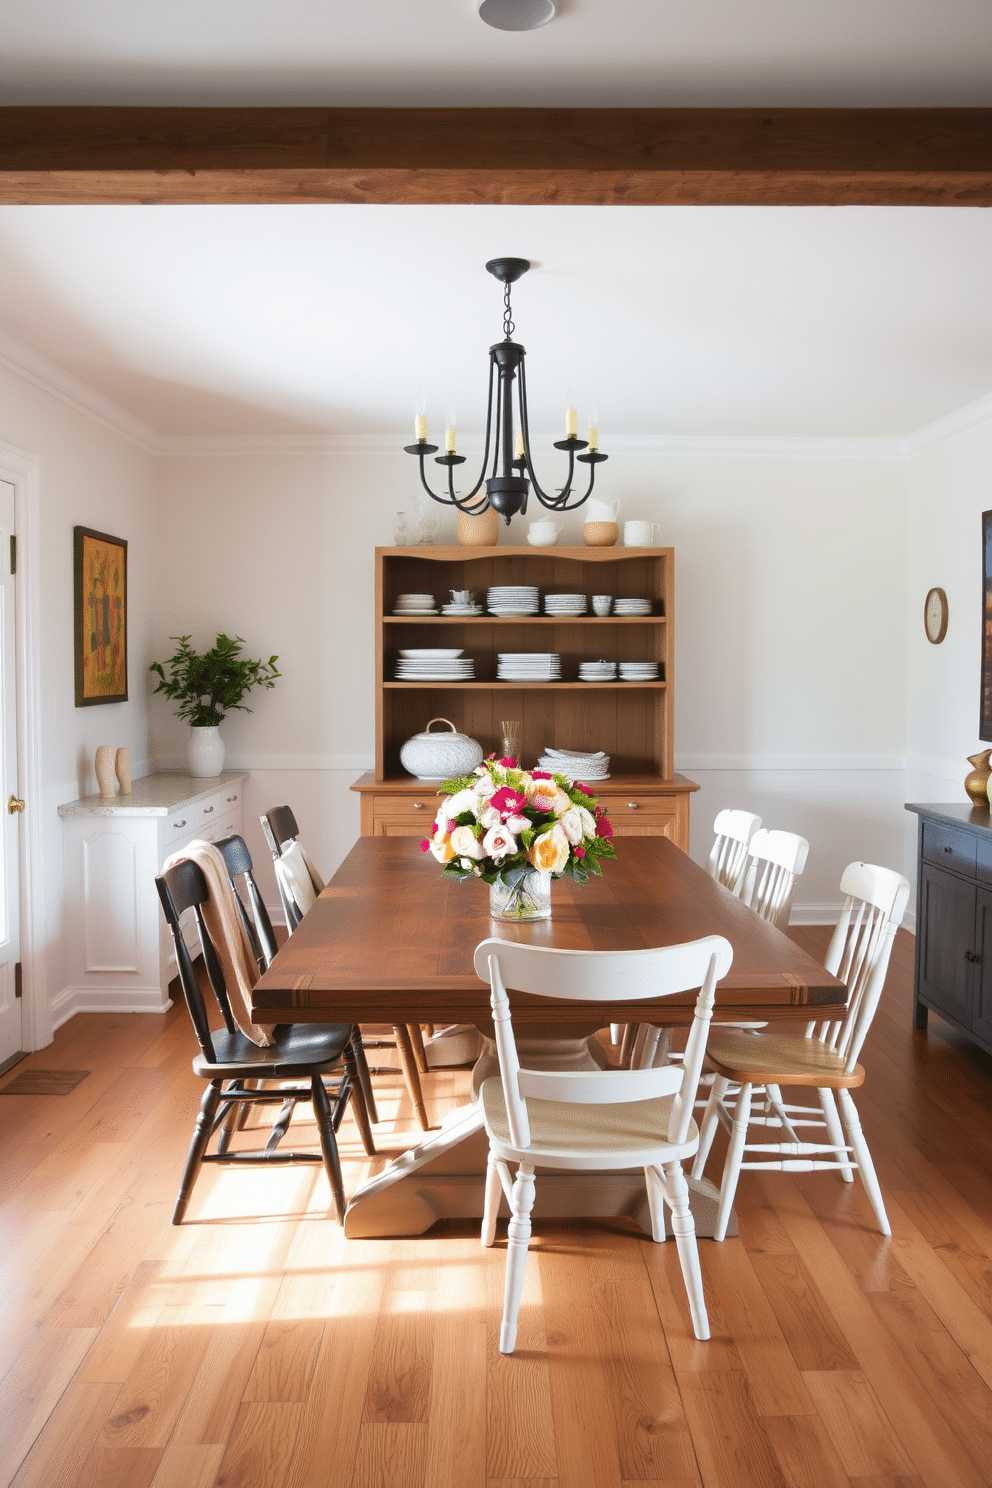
(982, 1006)
(949, 939)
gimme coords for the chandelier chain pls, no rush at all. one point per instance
(508, 326)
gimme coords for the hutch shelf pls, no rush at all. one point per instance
(631, 721)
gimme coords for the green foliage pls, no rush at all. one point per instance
(452, 787)
(210, 685)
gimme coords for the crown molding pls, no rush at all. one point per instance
(36, 368)
(962, 419)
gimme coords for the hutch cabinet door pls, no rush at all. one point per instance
(947, 927)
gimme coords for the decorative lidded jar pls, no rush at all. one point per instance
(440, 756)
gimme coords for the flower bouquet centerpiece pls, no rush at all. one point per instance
(515, 829)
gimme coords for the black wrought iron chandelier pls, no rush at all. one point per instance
(505, 491)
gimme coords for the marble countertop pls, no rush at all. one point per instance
(154, 795)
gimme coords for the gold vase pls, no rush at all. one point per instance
(478, 532)
(977, 782)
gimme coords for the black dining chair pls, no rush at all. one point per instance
(238, 861)
(232, 1063)
(279, 828)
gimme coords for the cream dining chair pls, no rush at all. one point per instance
(594, 1120)
(825, 1060)
(728, 855)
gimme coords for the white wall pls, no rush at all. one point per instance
(790, 650)
(93, 477)
(948, 491)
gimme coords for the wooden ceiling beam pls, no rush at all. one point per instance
(601, 157)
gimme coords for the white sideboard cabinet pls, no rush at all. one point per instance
(121, 952)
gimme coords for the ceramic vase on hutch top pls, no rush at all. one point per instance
(478, 532)
(205, 751)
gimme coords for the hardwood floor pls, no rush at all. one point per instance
(253, 1347)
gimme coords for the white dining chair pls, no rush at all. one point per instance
(825, 1059)
(774, 861)
(728, 855)
(594, 1120)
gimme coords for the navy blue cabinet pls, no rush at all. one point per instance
(954, 918)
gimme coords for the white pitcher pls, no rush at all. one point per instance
(600, 511)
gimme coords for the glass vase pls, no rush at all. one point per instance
(526, 898)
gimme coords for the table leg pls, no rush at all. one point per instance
(410, 1072)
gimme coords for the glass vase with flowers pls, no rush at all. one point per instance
(516, 830)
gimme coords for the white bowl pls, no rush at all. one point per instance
(542, 539)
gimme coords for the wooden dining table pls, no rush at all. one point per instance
(391, 940)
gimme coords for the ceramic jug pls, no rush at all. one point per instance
(600, 511)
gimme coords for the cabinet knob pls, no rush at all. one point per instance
(207, 810)
(948, 849)
(417, 805)
(229, 799)
(972, 956)
(633, 805)
(14, 805)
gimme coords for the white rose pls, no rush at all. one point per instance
(571, 825)
(517, 824)
(463, 800)
(485, 786)
(498, 842)
(588, 821)
(489, 818)
(465, 844)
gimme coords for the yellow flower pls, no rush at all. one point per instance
(544, 795)
(549, 852)
(442, 849)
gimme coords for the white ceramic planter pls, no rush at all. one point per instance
(205, 751)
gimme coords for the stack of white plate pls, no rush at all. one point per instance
(415, 604)
(457, 609)
(597, 671)
(631, 607)
(565, 604)
(428, 664)
(513, 599)
(576, 765)
(528, 666)
(638, 671)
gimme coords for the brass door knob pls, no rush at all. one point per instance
(14, 804)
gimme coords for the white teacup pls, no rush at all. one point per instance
(461, 596)
(601, 603)
(543, 534)
(639, 534)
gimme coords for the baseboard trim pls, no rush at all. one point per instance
(72, 1000)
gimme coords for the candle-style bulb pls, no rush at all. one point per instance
(519, 446)
(593, 427)
(571, 423)
(449, 433)
(420, 417)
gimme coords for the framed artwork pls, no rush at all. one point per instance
(100, 573)
(985, 703)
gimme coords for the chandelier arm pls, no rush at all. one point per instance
(561, 503)
(542, 496)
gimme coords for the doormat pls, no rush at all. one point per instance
(44, 1082)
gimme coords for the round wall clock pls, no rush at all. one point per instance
(935, 616)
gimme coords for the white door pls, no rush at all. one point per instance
(10, 1007)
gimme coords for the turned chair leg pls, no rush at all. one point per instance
(684, 1230)
(328, 1146)
(732, 1166)
(201, 1136)
(518, 1239)
(359, 1109)
(417, 1043)
(862, 1156)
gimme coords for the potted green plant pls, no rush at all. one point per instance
(207, 686)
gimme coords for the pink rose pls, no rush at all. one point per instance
(509, 763)
(425, 845)
(498, 842)
(580, 852)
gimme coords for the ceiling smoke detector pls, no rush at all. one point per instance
(517, 15)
